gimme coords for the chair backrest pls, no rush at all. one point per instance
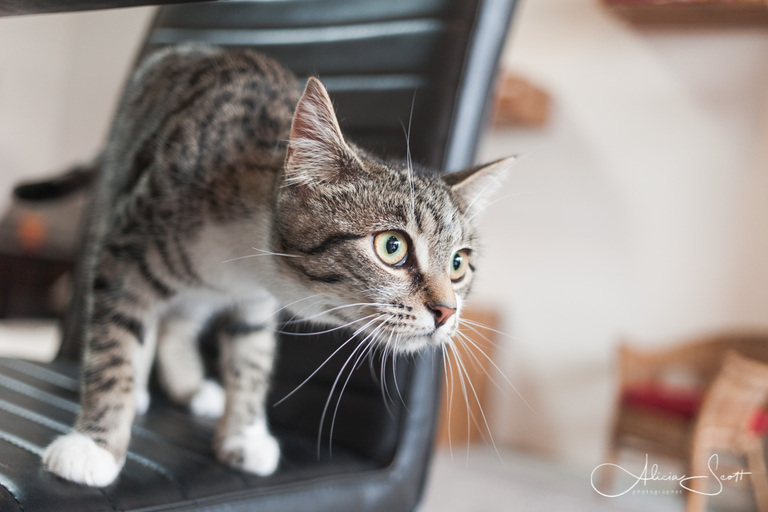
(388, 65)
(698, 359)
(735, 400)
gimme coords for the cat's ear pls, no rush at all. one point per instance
(475, 186)
(317, 151)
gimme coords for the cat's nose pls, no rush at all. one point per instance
(442, 313)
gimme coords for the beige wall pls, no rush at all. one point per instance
(59, 79)
(641, 209)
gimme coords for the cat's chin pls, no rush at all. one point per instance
(412, 344)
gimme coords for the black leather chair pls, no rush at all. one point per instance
(384, 62)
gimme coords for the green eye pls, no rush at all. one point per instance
(391, 247)
(459, 265)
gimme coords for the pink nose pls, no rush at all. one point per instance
(442, 313)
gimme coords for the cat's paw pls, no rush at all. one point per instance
(141, 398)
(209, 400)
(76, 457)
(255, 450)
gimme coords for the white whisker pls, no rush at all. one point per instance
(324, 362)
(262, 252)
(318, 315)
(331, 329)
(496, 367)
(479, 404)
(448, 369)
(383, 318)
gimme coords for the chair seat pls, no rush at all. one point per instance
(170, 464)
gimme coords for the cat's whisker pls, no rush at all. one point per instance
(331, 329)
(408, 159)
(270, 253)
(394, 372)
(383, 319)
(476, 362)
(385, 395)
(368, 346)
(358, 331)
(499, 370)
(484, 327)
(337, 308)
(262, 252)
(448, 369)
(463, 391)
(482, 412)
(462, 371)
(286, 306)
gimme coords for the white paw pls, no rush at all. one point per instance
(141, 398)
(255, 450)
(209, 400)
(76, 457)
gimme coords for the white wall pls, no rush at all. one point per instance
(642, 208)
(60, 76)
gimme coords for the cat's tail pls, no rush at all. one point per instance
(62, 185)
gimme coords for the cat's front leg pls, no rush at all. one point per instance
(243, 439)
(117, 348)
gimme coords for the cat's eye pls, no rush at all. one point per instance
(391, 247)
(459, 264)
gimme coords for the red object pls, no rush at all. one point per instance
(681, 402)
(758, 424)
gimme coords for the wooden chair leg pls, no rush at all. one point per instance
(697, 501)
(756, 462)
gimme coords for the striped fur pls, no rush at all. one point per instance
(225, 190)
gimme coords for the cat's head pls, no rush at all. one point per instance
(385, 249)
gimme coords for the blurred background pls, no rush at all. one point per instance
(638, 208)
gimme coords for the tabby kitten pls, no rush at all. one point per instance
(196, 175)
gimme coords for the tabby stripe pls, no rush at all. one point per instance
(104, 346)
(186, 263)
(326, 244)
(330, 278)
(243, 328)
(162, 289)
(103, 387)
(130, 324)
(165, 255)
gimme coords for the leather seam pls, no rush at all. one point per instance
(37, 454)
(21, 507)
(62, 429)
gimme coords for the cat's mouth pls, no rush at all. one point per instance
(416, 338)
(395, 327)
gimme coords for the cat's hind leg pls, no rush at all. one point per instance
(144, 356)
(243, 439)
(180, 366)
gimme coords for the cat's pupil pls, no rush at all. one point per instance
(457, 261)
(393, 244)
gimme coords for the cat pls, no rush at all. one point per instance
(225, 188)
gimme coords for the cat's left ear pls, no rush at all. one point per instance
(317, 151)
(475, 186)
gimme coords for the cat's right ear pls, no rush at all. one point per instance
(317, 151)
(474, 186)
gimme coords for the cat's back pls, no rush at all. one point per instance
(192, 113)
